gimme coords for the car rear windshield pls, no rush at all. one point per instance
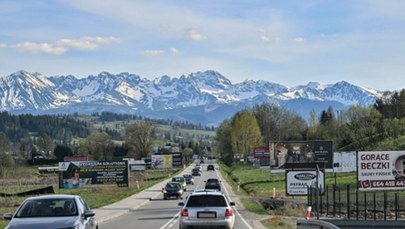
(47, 208)
(206, 201)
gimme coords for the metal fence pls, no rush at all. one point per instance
(348, 203)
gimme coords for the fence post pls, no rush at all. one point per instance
(348, 201)
(357, 204)
(340, 201)
(385, 205)
(375, 213)
(327, 199)
(365, 205)
(396, 206)
(334, 199)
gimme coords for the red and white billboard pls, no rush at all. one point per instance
(381, 170)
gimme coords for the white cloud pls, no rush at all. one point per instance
(194, 34)
(40, 48)
(62, 46)
(154, 52)
(2, 46)
(299, 39)
(174, 51)
(86, 43)
(266, 38)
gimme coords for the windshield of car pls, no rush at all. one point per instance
(212, 181)
(173, 186)
(47, 208)
(178, 179)
(206, 201)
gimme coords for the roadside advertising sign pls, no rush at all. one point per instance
(161, 161)
(76, 174)
(298, 181)
(381, 170)
(304, 154)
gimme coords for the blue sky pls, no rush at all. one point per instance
(291, 42)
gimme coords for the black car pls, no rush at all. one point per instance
(173, 189)
(213, 183)
(210, 167)
(196, 172)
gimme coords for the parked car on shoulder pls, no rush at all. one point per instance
(52, 211)
(172, 189)
(208, 209)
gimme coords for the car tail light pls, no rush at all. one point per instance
(228, 212)
(184, 213)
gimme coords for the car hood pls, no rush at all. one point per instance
(43, 222)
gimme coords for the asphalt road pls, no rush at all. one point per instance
(163, 214)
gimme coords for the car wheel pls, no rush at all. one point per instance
(165, 197)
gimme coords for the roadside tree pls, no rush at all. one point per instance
(139, 139)
(245, 134)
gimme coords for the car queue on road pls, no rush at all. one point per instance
(200, 210)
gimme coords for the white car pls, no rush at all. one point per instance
(52, 211)
(207, 209)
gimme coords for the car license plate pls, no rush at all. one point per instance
(206, 215)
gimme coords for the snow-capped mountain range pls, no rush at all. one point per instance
(202, 97)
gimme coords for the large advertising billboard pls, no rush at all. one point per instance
(76, 174)
(381, 170)
(297, 182)
(303, 154)
(161, 161)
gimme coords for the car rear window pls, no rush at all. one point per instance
(206, 201)
(47, 208)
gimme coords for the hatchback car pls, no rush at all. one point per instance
(210, 167)
(196, 172)
(189, 179)
(52, 211)
(213, 183)
(182, 181)
(207, 209)
(172, 189)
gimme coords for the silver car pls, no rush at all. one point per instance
(52, 211)
(207, 209)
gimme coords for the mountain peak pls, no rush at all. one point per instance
(209, 94)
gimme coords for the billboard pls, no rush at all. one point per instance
(161, 161)
(263, 155)
(298, 181)
(76, 174)
(381, 170)
(303, 154)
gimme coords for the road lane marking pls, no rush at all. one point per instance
(234, 208)
(171, 222)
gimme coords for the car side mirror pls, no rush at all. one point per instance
(181, 203)
(232, 203)
(8, 216)
(88, 213)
